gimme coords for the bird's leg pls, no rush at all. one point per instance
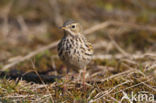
(80, 75)
(84, 78)
(66, 80)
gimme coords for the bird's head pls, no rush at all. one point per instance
(72, 27)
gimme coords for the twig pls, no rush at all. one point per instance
(104, 93)
(133, 86)
(115, 100)
(24, 27)
(119, 74)
(31, 54)
(117, 46)
(134, 26)
(43, 97)
(118, 23)
(150, 87)
(97, 27)
(19, 96)
(119, 56)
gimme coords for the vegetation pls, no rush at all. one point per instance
(124, 36)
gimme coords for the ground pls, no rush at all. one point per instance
(123, 34)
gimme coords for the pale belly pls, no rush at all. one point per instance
(75, 58)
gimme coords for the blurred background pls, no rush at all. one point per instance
(123, 33)
(27, 25)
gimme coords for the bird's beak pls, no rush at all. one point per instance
(63, 27)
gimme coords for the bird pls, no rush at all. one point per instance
(74, 49)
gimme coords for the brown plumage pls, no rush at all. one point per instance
(74, 49)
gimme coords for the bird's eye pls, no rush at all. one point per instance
(73, 26)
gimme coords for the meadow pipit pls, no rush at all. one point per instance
(74, 49)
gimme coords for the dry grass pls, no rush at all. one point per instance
(124, 38)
